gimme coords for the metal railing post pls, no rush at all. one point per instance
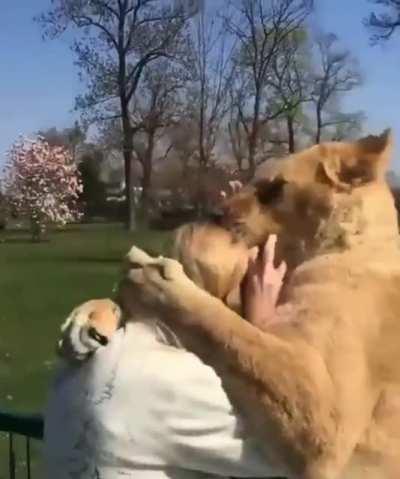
(28, 457)
(30, 427)
(11, 456)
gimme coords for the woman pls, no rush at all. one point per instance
(142, 406)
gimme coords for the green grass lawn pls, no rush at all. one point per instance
(39, 285)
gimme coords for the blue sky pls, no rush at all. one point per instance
(38, 80)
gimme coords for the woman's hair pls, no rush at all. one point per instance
(211, 257)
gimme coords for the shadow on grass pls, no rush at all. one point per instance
(22, 240)
(90, 259)
(58, 259)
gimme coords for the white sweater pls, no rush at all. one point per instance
(142, 408)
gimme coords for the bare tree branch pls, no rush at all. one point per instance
(337, 73)
(118, 39)
(384, 24)
(261, 29)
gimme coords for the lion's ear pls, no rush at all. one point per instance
(331, 168)
(348, 165)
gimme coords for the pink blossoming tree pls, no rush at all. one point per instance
(42, 184)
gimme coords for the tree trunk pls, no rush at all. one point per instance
(38, 230)
(253, 137)
(203, 160)
(147, 166)
(146, 181)
(252, 150)
(128, 160)
(200, 197)
(319, 126)
(291, 139)
(127, 130)
(236, 144)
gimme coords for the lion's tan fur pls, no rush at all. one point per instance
(338, 227)
(322, 392)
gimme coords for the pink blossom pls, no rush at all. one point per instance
(42, 182)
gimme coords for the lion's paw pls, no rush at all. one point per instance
(159, 284)
(87, 328)
(164, 280)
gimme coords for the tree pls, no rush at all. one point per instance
(236, 131)
(89, 158)
(156, 107)
(70, 138)
(117, 39)
(3, 209)
(260, 28)
(382, 25)
(184, 143)
(42, 184)
(212, 75)
(287, 89)
(336, 72)
(93, 195)
(348, 126)
(290, 80)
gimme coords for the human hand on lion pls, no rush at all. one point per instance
(163, 285)
(159, 284)
(262, 285)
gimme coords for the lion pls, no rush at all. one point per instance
(322, 391)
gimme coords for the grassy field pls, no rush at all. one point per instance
(39, 285)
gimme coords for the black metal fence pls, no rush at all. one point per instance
(30, 427)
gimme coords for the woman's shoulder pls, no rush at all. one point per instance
(136, 360)
(147, 358)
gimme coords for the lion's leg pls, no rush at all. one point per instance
(379, 449)
(282, 387)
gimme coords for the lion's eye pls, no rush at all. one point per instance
(269, 191)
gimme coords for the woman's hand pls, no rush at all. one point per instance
(262, 285)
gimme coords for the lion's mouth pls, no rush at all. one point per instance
(237, 226)
(240, 231)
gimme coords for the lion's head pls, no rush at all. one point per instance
(328, 196)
